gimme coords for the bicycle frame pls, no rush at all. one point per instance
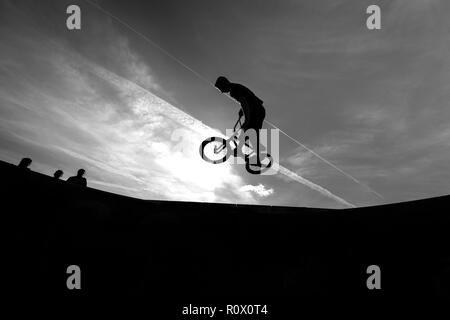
(233, 136)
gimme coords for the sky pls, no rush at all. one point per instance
(376, 103)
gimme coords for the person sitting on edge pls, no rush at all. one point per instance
(25, 163)
(251, 106)
(78, 179)
(58, 174)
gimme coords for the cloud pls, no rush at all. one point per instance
(260, 190)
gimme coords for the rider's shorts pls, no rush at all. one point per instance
(257, 119)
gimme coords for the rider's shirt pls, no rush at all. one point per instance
(238, 92)
(255, 111)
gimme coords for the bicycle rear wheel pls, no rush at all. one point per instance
(259, 169)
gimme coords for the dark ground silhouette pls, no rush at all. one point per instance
(184, 251)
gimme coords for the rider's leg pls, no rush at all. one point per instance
(251, 140)
(245, 137)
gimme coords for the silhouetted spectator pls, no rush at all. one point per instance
(58, 174)
(25, 163)
(78, 179)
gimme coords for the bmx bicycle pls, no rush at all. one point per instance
(217, 150)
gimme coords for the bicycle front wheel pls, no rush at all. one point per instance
(214, 150)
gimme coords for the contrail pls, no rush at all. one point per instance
(109, 14)
(314, 186)
(326, 161)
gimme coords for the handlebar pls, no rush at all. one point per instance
(237, 122)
